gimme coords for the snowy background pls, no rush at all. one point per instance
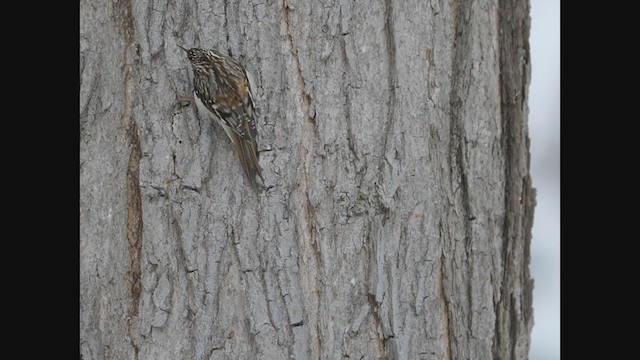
(544, 131)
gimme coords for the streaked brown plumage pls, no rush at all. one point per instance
(222, 90)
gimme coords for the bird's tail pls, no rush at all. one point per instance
(248, 154)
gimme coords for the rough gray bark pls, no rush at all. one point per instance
(393, 136)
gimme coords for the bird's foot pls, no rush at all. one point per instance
(184, 101)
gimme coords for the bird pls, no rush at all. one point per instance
(223, 89)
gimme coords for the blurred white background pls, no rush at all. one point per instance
(544, 131)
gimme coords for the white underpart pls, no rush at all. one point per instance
(252, 86)
(203, 110)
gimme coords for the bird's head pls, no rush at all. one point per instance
(195, 55)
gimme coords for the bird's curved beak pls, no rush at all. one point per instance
(182, 48)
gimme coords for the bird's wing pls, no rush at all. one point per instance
(240, 118)
(235, 106)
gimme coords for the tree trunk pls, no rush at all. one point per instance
(393, 140)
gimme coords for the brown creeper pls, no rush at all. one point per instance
(222, 89)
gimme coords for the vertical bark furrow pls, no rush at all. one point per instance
(461, 82)
(307, 242)
(134, 221)
(446, 319)
(391, 72)
(131, 65)
(513, 318)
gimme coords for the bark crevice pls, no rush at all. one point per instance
(130, 64)
(514, 307)
(392, 76)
